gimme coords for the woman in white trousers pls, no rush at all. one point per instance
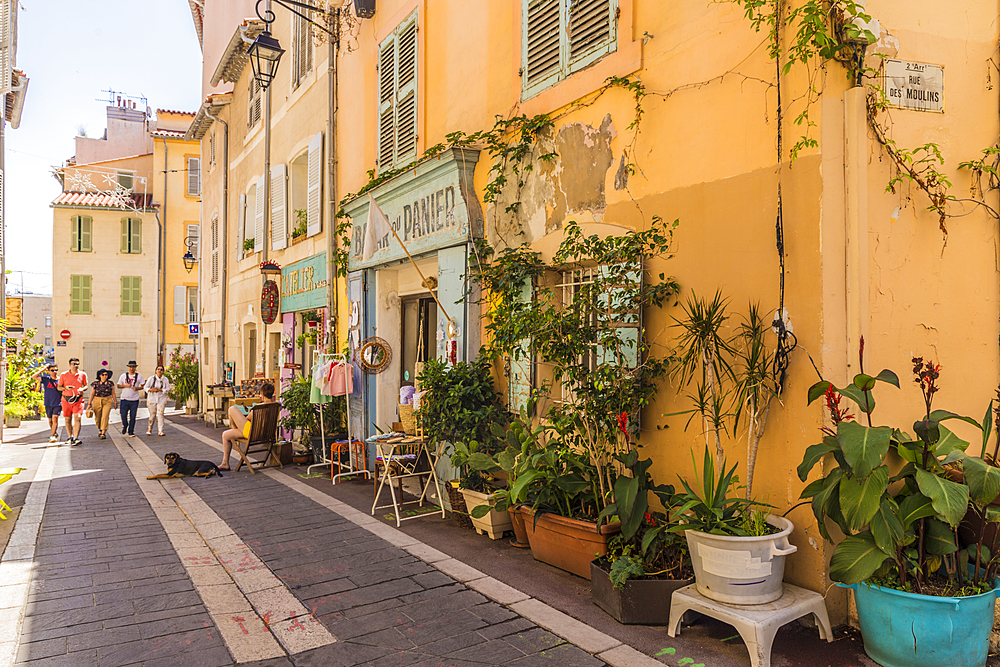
(157, 387)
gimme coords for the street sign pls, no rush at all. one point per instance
(293, 367)
(915, 86)
(193, 336)
(193, 329)
(60, 343)
(65, 334)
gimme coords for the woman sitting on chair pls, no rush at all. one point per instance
(241, 424)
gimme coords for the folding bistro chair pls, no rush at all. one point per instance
(263, 438)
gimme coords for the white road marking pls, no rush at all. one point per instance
(252, 608)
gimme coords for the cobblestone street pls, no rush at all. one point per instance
(277, 569)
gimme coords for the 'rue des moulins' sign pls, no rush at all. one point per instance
(915, 86)
(431, 206)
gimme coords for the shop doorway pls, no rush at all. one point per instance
(419, 340)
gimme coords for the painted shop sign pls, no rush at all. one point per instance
(303, 284)
(432, 206)
(914, 86)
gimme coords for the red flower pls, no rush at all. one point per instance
(837, 413)
(623, 423)
(650, 519)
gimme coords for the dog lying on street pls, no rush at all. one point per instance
(178, 467)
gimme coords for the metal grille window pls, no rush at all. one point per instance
(131, 236)
(302, 49)
(254, 102)
(81, 233)
(397, 96)
(560, 37)
(131, 295)
(79, 294)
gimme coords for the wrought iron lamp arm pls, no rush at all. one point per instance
(290, 5)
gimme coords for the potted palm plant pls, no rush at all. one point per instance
(899, 554)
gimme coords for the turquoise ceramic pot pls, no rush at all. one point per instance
(910, 630)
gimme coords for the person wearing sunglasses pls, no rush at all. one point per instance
(73, 384)
(47, 377)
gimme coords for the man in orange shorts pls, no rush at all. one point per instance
(72, 384)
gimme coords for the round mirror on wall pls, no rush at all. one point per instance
(375, 354)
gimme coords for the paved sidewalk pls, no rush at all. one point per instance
(112, 582)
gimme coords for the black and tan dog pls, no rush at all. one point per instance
(178, 467)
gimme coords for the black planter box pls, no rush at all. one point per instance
(641, 602)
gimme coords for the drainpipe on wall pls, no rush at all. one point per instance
(223, 241)
(161, 337)
(332, 295)
(856, 208)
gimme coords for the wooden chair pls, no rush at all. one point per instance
(263, 438)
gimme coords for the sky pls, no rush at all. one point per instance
(72, 50)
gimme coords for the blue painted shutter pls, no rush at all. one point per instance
(520, 382)
(451, 293)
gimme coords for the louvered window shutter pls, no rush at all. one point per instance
(406, 95)
(137, 235)
(126, 236)
(180, 304)
(85, 294)
(279, 211)
(126, 298)
(137, 295)
(258, 217)
(86, 228)
(194, 233)
(194, 176)
(74, 233)
(540, 43)
(314, 186)
(253, 108)
(386, 103)
(74, 295)
(592, 31)
(241, 218)
(215, 250)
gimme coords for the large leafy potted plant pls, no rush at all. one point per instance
(738, 550)
(182, 371)
(480, 487)
(21, 395)
(900, 554)
(645, 563)
(300, 414)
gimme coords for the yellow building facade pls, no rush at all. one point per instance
(859, 259)
(109, 232)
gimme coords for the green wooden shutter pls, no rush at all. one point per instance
(131, 303)
(386, 103)
(126, 297)
(137, 295)
(125, 235)
(74, 294)
(85, 282)
(406, 91)
(74, 233)
(86, 227)
(136, 235)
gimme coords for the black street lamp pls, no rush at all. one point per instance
(189, 259)
(265, 52)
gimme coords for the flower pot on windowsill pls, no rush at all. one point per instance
(569, 544)
(639, 602)
(298, 239)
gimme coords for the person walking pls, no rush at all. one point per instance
(157, 387)
(131, 383)
(47, 376)
(72, 384)
(102, 401)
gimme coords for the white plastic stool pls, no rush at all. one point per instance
(757, 624)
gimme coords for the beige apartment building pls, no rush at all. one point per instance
(129, 200)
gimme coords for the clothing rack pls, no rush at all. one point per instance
(346, 469)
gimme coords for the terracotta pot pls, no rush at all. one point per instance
(569, 544)
(520, 533)
(640, 602)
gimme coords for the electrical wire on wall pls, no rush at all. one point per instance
(786, 339)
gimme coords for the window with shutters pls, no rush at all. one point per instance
(211, 150)
(193, 240)
(254, 103)
(81, 233)
(131, 295)
(214, 243)
(302, 49)
(560, 37)
(192, 305)
(79, 295)
(397, 96)
(131, 236)
(194, 176)
(126, 179)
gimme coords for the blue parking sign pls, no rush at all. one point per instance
(193, 329)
